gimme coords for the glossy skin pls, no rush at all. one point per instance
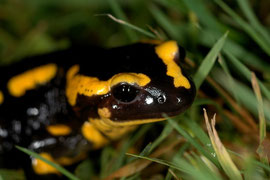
(158, 97)
(141, 93)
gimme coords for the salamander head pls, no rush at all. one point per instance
(151, 83)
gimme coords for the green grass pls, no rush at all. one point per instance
(56, 166)
(226, 42)
(208, 62)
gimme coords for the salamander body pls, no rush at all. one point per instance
(62, 105)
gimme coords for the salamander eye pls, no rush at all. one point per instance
(125, 92)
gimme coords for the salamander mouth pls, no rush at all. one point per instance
(146, 117)
(133, 122)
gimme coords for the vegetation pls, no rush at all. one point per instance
(228, 45)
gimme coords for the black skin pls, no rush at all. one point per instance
(20, 127)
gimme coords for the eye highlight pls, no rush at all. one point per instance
(125, 92)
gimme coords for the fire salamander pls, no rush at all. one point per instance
(63, 104)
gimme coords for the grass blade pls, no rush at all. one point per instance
(244, 92)
(221, 152)
(56, 166)
(139, 164)
(231, 81)
(165, 23)
(208, 62)
(256, 37)
(200, 134)
(245, 7)
(208, 37)
(257, 91)
(165, 132)
(84, 171)
(204, 15)
(119, 161)
(146, 33)
(120, 14)
(262, 125)
(246, 72)
(183, 166)
(192, 141)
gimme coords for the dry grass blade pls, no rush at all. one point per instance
(261, 150)
(244, 113)
(241, 126)
(223, 156)
(140, 164)
(258, 94)
(174, 175)
(147, 33)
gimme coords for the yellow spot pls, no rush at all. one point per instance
(131, 78)
(66, 161)
(73, 71)
(88, 86)
(79, 84)
(110, 130)
(41, 167)
(104, 112)
(1, 97)
(115, 130)
(93, 135)
(59, 130)
(167, 52)
(28, 80)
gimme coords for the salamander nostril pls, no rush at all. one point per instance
(161, 99)
(125, 92)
